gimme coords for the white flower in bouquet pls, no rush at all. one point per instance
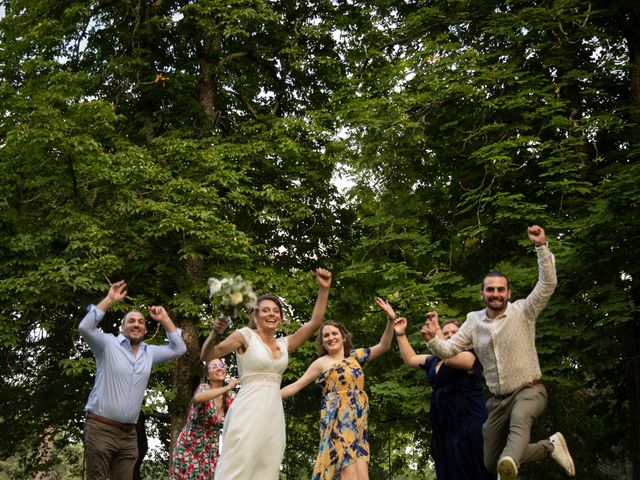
(231, 295)
(215, 286)
(235, 298)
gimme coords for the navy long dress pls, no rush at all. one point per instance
(458, 411)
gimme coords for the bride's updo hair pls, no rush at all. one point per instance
(261, 298)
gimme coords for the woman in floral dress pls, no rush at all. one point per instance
(344, 443)
(196, 452)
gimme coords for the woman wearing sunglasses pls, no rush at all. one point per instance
(197, 449)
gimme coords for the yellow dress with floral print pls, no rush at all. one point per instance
(343, 418)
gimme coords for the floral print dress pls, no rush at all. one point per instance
(196, 452)
(343, 419)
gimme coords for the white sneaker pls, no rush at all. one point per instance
(507, 469)
(560, 453)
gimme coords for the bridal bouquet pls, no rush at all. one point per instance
(231, 295)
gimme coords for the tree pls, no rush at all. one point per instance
(482, 118)
(166, 142)
(137, 147)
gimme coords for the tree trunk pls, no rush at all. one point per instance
(211, 44)
(183, 378)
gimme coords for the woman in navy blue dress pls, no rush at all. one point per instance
(458, 407)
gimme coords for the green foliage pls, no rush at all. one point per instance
(177, 141)
(64, 463)
(499, 119)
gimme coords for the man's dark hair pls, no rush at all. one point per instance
(495, 273)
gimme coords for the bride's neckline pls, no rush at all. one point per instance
(269, 349)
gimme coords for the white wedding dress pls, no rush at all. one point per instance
(254, 437)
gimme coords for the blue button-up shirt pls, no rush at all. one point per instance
(121, 375)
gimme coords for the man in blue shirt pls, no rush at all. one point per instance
(123, 366)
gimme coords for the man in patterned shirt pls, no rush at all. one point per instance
(503, 337)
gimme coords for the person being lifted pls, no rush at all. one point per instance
(503, 337)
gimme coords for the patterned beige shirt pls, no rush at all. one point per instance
(506, 345)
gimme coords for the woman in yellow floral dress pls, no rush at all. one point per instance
(344, 446)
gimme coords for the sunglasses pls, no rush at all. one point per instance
(217, 366)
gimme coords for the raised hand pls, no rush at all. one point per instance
(323, 277)
(386, 307)
(536, 235)
(117, 291)
(219, 325)
(400, 326)
(233, 382)
(158, 313)
(431, 326)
